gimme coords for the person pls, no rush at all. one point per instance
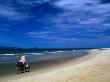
(23, 61)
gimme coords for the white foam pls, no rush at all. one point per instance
(59, 51)
(33, 54)
(74, 50)
(8, 54)
(52, 52)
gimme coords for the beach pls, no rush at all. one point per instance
(94, 67)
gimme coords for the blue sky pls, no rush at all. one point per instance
(55, 23)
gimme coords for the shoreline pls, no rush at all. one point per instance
(42, 61)
(94, 67)
(49, 67)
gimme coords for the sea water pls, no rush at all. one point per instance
(11, 58)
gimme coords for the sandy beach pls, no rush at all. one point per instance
(94, 67)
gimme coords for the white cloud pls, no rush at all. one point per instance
(42, 35)
(11, 13)
(92, 21)
(75, 4)
(77, 14)
(52, 36)
(31, 2)
(39, 33)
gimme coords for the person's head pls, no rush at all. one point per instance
(23, 57)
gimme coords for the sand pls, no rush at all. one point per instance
(92, 68)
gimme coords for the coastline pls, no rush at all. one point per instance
(94, 67)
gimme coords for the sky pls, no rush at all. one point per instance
(55, 23)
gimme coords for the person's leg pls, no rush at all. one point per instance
(23, 68)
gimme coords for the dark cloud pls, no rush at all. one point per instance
(23, 9)
(105, 1)
(45, 9)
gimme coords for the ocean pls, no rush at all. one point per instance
(45, 56)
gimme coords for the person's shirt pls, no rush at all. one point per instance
(23, 61)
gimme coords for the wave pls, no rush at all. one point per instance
(7, 54)
(33, 54)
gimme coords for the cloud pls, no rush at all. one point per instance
(4, 29)
(61, 21)
(42, 35)
(39, 33)
(9, 10)
(78, 17)
(22, 9)
(77, 14)
(25, 2)
(105, 1)
(66, 37)
(75, 4)
(31, 2)
(11, 14)
(47, 35)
